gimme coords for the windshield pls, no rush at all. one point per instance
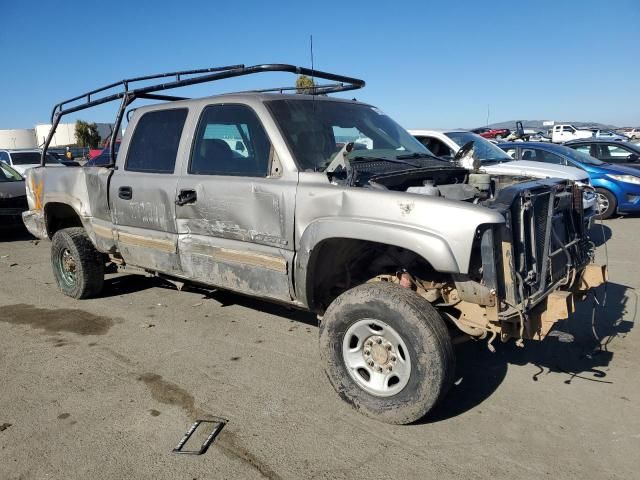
(317, 130)
(483, 149)
(8, 174)
(25, 158)
(30, 158)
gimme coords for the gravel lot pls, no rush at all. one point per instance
(105, 388)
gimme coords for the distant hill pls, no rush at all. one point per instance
(537, 125)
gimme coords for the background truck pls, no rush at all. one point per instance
(564, 132)
(327, 205)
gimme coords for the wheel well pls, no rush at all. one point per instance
(60, 215)
(338, 264)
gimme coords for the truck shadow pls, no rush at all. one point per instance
(599, 234)
(226, 298)
(577, 350)
(131, 283)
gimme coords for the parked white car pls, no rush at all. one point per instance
(633, 134)
(493, 160)
(21, 160)
(564, 133)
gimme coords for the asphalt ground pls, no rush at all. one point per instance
(105, 388)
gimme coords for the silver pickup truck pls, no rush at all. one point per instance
(329, 205)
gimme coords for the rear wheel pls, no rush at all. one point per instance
(77, 266)
(387, 352)
(606, 203)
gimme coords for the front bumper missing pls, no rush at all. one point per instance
(560, 304)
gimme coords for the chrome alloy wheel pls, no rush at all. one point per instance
(602, 203)
(376, 357)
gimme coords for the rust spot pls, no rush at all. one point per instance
(36, 188)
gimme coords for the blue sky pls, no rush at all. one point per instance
(427, 64)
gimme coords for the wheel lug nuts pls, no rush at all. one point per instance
(389, 368)
(389, 347)
(370, 363)
(367, 352)
(393, 359)
(379, 369)
(378, 341)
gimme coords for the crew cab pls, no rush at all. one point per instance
(328, 205)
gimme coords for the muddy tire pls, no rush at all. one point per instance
(77, 266)
(607, 203)
(387, 352)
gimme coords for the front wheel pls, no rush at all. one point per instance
(606, 203)
(387, 352)
(77, 266)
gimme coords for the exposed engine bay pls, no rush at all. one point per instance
(524, 273)
(425, 175)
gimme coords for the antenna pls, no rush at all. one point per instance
(312, 69)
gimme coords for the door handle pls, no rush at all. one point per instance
(125, 193)
(186, 196)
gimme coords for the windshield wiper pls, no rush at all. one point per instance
(383, 159)
(418, 155)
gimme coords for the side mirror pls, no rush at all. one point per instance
(634, 157)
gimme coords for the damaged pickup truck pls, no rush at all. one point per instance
(329, 205)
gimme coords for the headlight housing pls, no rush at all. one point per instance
(625, 178)
(584, 183)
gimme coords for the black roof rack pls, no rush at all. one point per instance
(127, 95)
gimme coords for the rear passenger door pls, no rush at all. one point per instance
(235, 206)
(142, 191)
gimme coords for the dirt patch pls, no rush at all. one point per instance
(4, 426)
(172, 394)
(62, 416)
(230, 444)
(56, 320)
(154, 412)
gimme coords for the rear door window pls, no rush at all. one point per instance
(154, 145)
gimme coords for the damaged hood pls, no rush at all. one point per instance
(535, 170)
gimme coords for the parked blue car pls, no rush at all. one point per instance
(617, 186)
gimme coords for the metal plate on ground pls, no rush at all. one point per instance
(214, 427)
